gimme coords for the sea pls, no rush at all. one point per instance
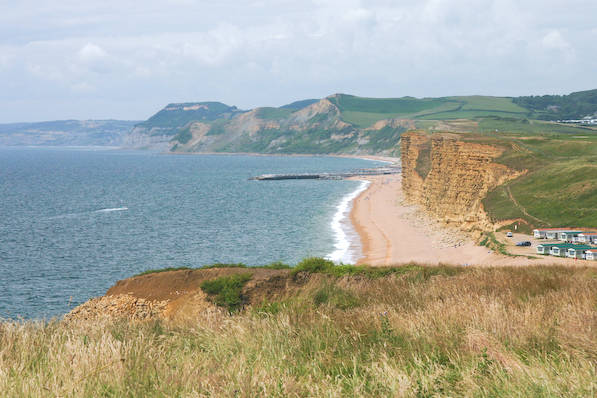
(73, 221)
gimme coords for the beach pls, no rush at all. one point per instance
(395, 232)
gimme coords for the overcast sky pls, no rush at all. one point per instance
(125, 59)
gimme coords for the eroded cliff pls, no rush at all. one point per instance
(449, 177)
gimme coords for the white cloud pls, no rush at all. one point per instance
(270, 52)
(554, 40)
(91, 52)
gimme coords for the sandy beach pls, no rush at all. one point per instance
(393, 232)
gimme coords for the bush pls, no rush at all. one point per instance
(314, 264)
(226, 291)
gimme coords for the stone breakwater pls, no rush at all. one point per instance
(449, 177)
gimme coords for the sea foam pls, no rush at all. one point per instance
(343, 229)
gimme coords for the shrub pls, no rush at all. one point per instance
(314, 264)
(226, 291)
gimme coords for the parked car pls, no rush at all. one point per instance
(509, 234)
(523, 243)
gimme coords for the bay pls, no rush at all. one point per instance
(74, 221)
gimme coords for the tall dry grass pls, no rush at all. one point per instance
(519, 332)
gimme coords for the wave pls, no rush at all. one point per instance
(343, 228)
(72, 215)
(111, 209)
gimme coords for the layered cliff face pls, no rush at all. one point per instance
(450, 177)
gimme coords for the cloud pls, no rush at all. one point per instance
(91, 52)
(554, 40)
(270, 52)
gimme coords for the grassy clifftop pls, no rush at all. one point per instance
(560, 185)
(414, 332)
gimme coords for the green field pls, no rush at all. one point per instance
(272, 113)
(479, 102)
(363, 112)
(560, 186)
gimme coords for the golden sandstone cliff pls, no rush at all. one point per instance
(449, 177)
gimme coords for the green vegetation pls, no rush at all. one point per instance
(184, 135)
(484, 332)
(174, 116)
(273, 113)
(218, 127)
(276, 265)
(325, 132)
(298, 105)
(415, 272)
(560, 185)
(363, 112)
(560, 107)
(492, 243)
(498, 104)
(472, 114)
(226, 291)
(335, 296)
(526, 126)
(405, 105)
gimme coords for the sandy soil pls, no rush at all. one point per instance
(393, 232)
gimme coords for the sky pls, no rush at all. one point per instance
(99, 59)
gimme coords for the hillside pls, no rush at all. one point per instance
(343, 123)
(66, 133)
(320, 330)
(494, 178)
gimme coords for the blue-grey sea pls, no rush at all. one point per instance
(74, 221)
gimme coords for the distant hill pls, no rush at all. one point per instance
(173, 116)
(343, 123)
(66, 133)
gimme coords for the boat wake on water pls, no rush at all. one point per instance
(111, 209)
(344, 233)
(71, 215)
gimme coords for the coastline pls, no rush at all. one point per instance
(393, 232)
(346, 247)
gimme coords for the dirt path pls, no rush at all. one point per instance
(524, 211)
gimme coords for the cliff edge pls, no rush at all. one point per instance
(449, 177)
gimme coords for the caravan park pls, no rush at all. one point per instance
(567, 242)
